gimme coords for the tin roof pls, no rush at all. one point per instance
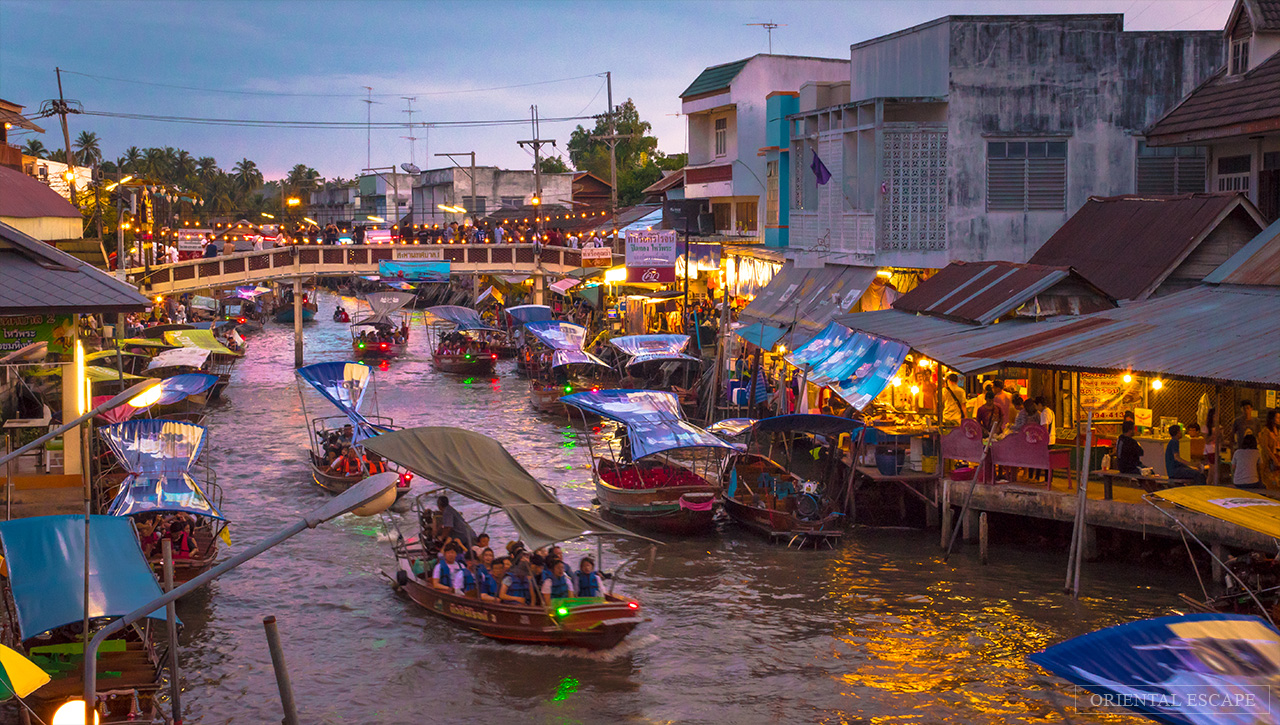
(1224, 106)
(38, 278)
(670, 180)
(983, 292)
(1258, 262)
(25, 197)
(715, 78)
(1128, 245)
(805, 300)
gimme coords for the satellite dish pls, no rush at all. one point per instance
(410, 169)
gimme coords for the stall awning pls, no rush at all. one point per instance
(761, 335)
(808, 299)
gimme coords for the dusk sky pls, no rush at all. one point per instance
(309, 61)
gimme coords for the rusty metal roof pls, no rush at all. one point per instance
(806, 300)
(982, 292)
(1257, 263)
(24, 196)
(1224, 106)
(1128, 245)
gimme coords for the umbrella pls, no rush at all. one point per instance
(19, 675)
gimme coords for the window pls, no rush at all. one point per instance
(512, 202)
(480, 204)
(1026, 176)
(771, 193)
(746, 221)
(1233, 173)
(1239, 56)
(722, 213)
(1176, 170)
(722, 136)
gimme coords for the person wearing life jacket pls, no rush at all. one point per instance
(348, 464)
(587, 580)
(442, 577)
(556, 584)
(485, 575)
(184, 544)
(374, 463)
(516, 585)
(466, 578)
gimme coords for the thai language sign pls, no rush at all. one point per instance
(426, 253)
(597, 257)
(651, 255)
(1109, 396)
(21, 330)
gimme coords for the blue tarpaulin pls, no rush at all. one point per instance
(462, 318)
(855, 365)
(406, 271)
(731, 427)
(761, 335)
(653, 420)
(645, 348)
(821, 346)
(180, 387)
(524, 314)
(158, 455)
(46, 560)
(566, 339)
(343, 384)
(824, 425)
(1188, 669)
(163, 493)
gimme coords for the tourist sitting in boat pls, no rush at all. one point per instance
(449, 524)
(586, 581)
(466, 577)
(497, 569)
(184, 543)
(373, 463)
(537, 569)
(481, 546)
(557, 584)
(444, 571)
(348, 464)
(517, 585)
(149, 533)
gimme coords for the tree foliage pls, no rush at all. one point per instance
(553, 165)
(639, 162)
(34, 147)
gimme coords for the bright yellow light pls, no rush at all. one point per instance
(535, 201)
(897, 381)
(72, 713)
(81, 380)
(269, 216)
(147, 397)
(1127, 378)
(1156, 384)
(293, 201)
(378, 219)
(159, 299)
(616, 274)
(69, 175)
(884, 273)
(126, 179)
(310, 220)
(915, 389)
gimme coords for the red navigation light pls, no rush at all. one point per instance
(242, 320)
(595, 389)
(405, 479)
(494, 356)
(382, 346)
(633, 605)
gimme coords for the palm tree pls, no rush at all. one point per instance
(247, 175)
(184, 167)
(89, 148)
(35, 148)
(131, 159)
(153, 162)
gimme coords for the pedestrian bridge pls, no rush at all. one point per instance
(245, 268)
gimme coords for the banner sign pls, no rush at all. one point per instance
(424, 253)
(597, 257)
(651, 255)
(21, 330)
(414, 271)
(192, 240)
(1109, 396)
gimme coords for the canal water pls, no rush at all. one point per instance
(741, 631)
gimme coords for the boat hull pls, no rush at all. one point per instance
(777, 524)
(588, 626)
(678, 510)
(285, 314)
(480, 364)
(376, 351)
(338, 484)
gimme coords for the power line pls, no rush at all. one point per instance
(282, 94)
(277, 123)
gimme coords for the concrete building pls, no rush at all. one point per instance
(727, 119)
(36, 210)
(334, 204)
(1226, 134)
(973, 138)
(384, 195)
(495, 189)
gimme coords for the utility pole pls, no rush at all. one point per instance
(472, 154)
(537, 143)
(612, 139)
(62, 110)
(368, 121)
(411, 137)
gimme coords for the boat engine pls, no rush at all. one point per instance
(808, 507)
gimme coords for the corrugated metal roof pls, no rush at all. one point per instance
(983, 292)
(671, 180)
(715, 78)
(1224, 106)
(37, 278)
(1258, 262)
(1128, 245)
(808, 298)
(25, 197)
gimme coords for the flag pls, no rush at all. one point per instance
(225, 534)
(820, 170)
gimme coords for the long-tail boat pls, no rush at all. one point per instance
(219, 361)
(159, 490)
(462, 343)
(477, 467)
(660, 363)
(516, 318)
(660, 472)
(561, 366)
(344, 385)
(45, 558)
(383, 333)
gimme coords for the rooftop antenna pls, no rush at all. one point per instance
(411, 137)
(769, 29)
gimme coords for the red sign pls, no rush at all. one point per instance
(651, 275)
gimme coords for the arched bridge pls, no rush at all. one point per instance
(292, 262)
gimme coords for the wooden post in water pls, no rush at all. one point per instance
(946, 514)
(982, 537)
(282, 672)
(171, 619)
(297, 322)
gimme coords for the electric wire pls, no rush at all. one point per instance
(335, 125)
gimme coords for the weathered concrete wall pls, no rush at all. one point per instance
(1077, 78)
(909, 63)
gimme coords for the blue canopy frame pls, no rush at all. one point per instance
(647, 348)
(181, 387)
(524, 314)
(344, 385)
(462, 318)
(653, 419)
(158, 454)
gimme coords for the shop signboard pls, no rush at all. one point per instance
(651, 255)
(19, 331)
(420, 253)
(1109, 396)
(597, 257)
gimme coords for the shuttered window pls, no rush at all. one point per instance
(1026, 176)
(1176, 170)
(1233, 172)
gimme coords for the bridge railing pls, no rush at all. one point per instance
(324, 259)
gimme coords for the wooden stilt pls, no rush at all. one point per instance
(982, 537)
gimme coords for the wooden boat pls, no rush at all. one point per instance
(678, 502)
(463, 341)
(451, 456)
(284, 313)
(480, 363)
(378, 349)
(334, 483)
(387, 333)
(778, 512)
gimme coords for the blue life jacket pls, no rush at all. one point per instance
(559, 585)
(468, 581)
(446, 573)
(519, 587)
(588, 584)
(488, 585)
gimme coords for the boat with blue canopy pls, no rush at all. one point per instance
(659, 362)
(559, 366)
(515, 319)
(159, 491)
(798, 500)
(45, 561)
(384, 332)
(659, 471)
(464, 343)
(344, 385)
(1189, 669)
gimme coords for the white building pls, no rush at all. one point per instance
(725, 106)
(495, 189)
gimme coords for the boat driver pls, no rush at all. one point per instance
(449, 524)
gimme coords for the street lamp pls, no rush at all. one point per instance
(294, 201)
(141, 395)
(366, 492)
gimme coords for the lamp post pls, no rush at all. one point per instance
(134, 393)
(368, 491)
